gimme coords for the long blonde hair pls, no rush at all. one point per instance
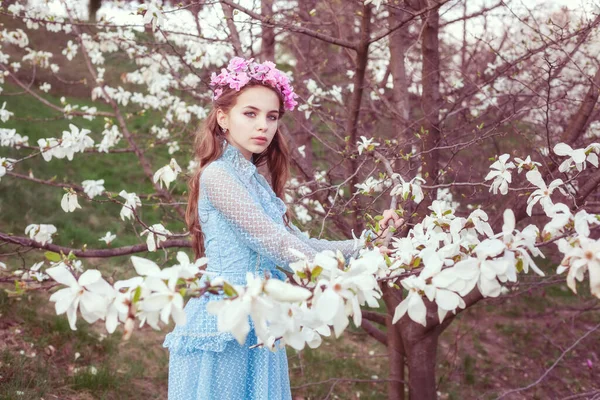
(207, 148)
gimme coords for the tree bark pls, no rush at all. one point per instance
(233, 32)
(93, 7)
(362, 57)
(268, 32)
(430, 101)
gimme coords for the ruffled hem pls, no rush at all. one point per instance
(190, 342)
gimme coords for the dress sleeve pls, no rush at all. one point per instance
(250, 223)
(347, 247)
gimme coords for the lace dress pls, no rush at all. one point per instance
(242, 221)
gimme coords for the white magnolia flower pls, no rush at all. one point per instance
(2, 265)
(376, 3)
(406, 189)
(526, 163)
(413, 302)
(173, 147)
(93, 188)
(50, 147)
(69, 202)
(45, 87)
(165, 299)
(5, 114)
(576, 156)
(90, 293)
(152, 14)
(131, 202)
(118, 310)
(40, 233)
(6, 164)
(371, 185)
(167, 174)
(70, 51)
(108, 238)
(302, 151)
(578, 259)
(156, 234)
(543, 192)
(366, 144)
(500, 174)
(75, 140)
(232, 314)
(282, 291)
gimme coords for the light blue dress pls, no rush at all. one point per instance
(242, 222)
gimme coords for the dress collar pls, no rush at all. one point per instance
(236, 159)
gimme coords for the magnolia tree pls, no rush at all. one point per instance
(483, 140)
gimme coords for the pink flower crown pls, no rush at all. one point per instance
(240, 71)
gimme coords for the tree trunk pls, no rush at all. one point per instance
(362, 57)
(93, 7)
(421, 358)
(268, 33)
(395, 347)
(430, 101)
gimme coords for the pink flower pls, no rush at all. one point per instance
(238, 64)
(240, 71)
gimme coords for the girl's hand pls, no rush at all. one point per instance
(388, 216)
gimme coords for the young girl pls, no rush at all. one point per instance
(241, 224)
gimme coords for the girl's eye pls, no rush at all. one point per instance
(249, 112)
(273, 118)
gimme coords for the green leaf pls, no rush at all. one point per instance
(229, 290)
(316, 273)
(137, 294)
(519, 265)
(416, 262)
(52, 256)
(301, 275)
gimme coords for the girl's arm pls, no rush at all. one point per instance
(250, 223)
(347, 247)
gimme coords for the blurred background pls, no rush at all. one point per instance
(442, 87)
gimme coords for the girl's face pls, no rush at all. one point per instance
(252, 122)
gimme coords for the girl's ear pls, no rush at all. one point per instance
(222, 119)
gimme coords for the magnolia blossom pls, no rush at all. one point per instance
(108, 238)
(41, 233)
(93, 188)
(366, 144)
(581, 256)
(232, 315)
(372, 185)
(167, 174)
(69, 202)
(156, 234)
(406, 189)
(6, 164)
(5, 114)
(132, 201)
(152, 15)
(70, 51)
(543, 192)
(577, 156)
(500, 174)
(526, 163)
(90, 294)
(376, 3)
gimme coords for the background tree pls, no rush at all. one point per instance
(435, 89)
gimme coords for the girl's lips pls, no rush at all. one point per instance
(261, 140)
